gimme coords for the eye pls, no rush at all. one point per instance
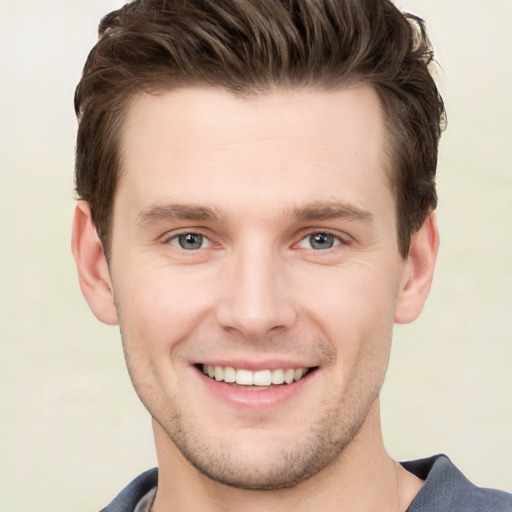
(319, 241)
(190, 241)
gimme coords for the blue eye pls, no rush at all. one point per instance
(190, 241)
(319, 241)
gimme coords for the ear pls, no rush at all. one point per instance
(93, 273)
(418, 271)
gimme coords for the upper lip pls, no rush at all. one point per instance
(247, 364)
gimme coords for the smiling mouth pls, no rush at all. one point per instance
(256, 380)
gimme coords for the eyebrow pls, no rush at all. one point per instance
(317, 211)
(187, 212)
(329, 210)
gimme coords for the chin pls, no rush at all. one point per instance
(267, 461)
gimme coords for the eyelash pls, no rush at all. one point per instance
(338, 240)
(177, 236)
(174, 240)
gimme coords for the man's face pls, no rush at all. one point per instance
(256, 239)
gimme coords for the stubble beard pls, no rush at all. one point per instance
(322, 444)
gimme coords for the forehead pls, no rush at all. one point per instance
(211, 147)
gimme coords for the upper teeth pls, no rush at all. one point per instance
(258, 378)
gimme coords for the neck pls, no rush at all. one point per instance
(363, 478)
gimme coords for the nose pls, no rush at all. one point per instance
(255, 301)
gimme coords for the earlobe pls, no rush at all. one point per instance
(93, 273)
(419, 273)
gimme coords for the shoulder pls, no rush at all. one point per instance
(446, 489)
(129, 497)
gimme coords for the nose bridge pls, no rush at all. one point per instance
(255, 300)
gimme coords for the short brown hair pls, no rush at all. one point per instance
(251, 47)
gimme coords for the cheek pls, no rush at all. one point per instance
(354, 308)
(357, 297)
(156, 315)
(159, 308)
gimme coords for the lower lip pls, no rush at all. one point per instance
(255, 399)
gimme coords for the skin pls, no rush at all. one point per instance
(256, 178)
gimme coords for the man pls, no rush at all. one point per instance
(257, 210)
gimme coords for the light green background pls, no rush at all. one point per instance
(72, 431)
